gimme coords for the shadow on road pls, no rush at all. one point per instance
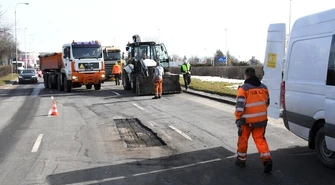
(107, 92)
(211, 166)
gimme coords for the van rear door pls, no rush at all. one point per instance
(273, 66)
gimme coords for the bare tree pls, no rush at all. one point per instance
(7, 41)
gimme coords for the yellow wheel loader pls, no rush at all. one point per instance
(137, 74)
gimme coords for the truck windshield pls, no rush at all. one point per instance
(86, 52)
(112, 55)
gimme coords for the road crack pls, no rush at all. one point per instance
(76, 137)
(54, 170)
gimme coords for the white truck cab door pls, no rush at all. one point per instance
(273, 66)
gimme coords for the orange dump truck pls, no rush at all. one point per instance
(80, 63)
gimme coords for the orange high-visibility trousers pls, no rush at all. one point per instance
(259, 139)
(158, 87)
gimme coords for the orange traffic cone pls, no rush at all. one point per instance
(54, 111)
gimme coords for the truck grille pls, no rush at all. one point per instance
(88, 66)
(108, 69)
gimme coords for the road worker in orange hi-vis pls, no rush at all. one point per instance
(158, 80)
(117, 73)
(252, 102)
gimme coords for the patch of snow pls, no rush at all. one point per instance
(217, 79)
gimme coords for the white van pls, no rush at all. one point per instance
(302, 86)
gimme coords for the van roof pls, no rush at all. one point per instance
(317, 23)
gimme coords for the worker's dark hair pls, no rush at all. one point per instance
(250, 72)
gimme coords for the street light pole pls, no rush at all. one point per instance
(289, 24)
(226, 46)
(25, 47)
(16, 55)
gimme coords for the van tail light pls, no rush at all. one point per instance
(282, 95)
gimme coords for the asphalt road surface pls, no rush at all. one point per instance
(113, 137)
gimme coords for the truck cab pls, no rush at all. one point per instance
(301, 80)
(111, 55)
(84, 64)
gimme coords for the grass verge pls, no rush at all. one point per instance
(220, 88)
(7, 79)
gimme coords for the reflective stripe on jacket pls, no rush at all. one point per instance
(251, 104)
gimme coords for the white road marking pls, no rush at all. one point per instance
(232, 156)
(153, 123)
(116, 93)
(37, 143)
(149, 172)
(137, 106)
(181, 133)
(49, 113)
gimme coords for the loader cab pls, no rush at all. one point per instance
(148, 50)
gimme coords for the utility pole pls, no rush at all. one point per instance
(16, 54)
(25, 47)
(226, 46)
(289, 23)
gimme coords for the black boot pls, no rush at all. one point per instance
(267, 166)
(240, 163)
(155, 97)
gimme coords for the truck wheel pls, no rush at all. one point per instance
(97, 86)
(60, 86)
(88, 86)
(326, 156)
(45, 78)
(50, 82)
(67, 85)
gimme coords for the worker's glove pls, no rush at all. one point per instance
(239, 124)
(189, 72)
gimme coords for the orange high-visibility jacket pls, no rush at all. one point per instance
(251, 103)
(116, 69)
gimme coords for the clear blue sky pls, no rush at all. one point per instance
(186, 27)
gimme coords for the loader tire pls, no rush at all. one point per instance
(125, 81)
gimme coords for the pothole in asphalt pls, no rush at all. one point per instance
(136, 135)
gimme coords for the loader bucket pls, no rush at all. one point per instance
(171, 85)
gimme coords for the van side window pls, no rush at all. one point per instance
(331, 64)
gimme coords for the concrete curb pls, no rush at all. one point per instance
(219, 98)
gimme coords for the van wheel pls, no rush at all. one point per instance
(326, 156)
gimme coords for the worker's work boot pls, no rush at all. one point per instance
(267, 166)
(159, 97)
(240, 163)
(155, 97)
